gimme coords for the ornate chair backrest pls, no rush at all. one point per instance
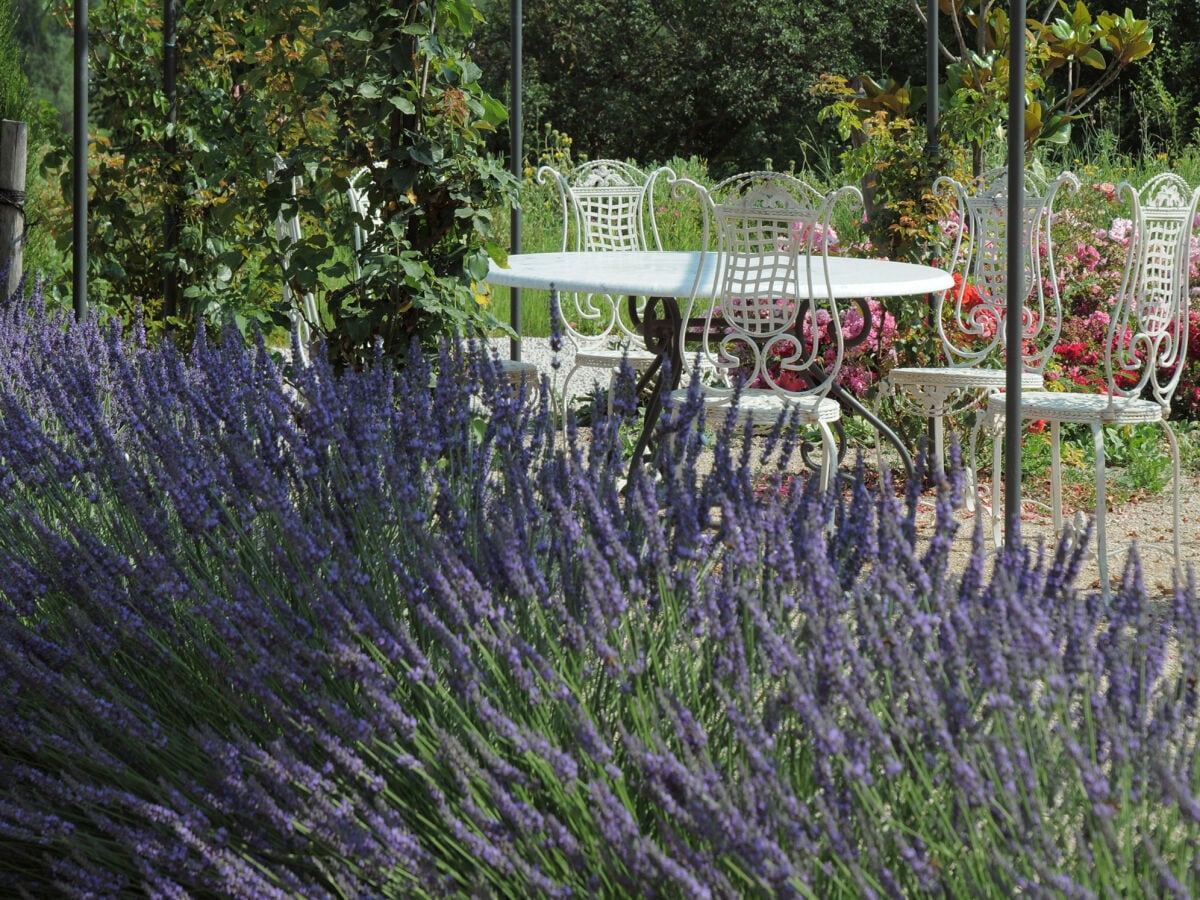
(606, 205)
(1147, 340)
(973, 314)
(773, 321)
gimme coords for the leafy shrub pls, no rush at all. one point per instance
(184, 219)
(266, 634)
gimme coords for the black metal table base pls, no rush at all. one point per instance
(661, 324)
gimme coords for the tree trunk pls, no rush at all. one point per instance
(13, 140)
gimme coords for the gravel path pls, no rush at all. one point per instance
(1146, 522)
(537, 350)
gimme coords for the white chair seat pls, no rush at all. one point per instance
(970, 378)
(1054, 406)
(763, 407)
(610, 358)
(519, 372)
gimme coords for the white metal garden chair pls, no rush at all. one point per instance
(971, 317)
(606, 205)
(358, 194)
(287, 233)
(772, 326)
(1145, 352)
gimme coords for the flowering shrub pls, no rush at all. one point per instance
(268, 635)
(1187, 395)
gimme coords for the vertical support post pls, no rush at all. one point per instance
(1016, 276)
(931, 77)
(932, 46)
(171, 146)
(13, 150)
(517, 161)
(80, 145)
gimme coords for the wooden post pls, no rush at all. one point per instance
(12, 201)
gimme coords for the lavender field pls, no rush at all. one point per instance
(281, 632)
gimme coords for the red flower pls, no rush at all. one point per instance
(968, 296)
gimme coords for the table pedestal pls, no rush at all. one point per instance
(661, 324)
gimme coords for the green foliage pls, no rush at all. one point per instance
(404, 103)
(328, 87)
(1070, 61)
(1158, 109)
(13, 86)
(1138, 452)
(207, 170)
(889, 156)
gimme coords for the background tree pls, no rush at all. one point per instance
(1158, 108)
(728, 81)
(46, 52)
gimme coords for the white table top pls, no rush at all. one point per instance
(671, 273)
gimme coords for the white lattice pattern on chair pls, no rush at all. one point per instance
(771, 335)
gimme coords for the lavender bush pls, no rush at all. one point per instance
(269, 634)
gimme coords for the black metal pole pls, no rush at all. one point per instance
(1016, 276)
(932, 47)
(80, 146)
(931, 78)
(518, 161)
(171, 147)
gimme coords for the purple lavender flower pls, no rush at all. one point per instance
(290, 632)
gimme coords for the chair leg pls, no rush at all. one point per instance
(1101, 512)
(566, 384)
(829, 457)
(1056, 477)
(972, 469)
(1174, 444)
